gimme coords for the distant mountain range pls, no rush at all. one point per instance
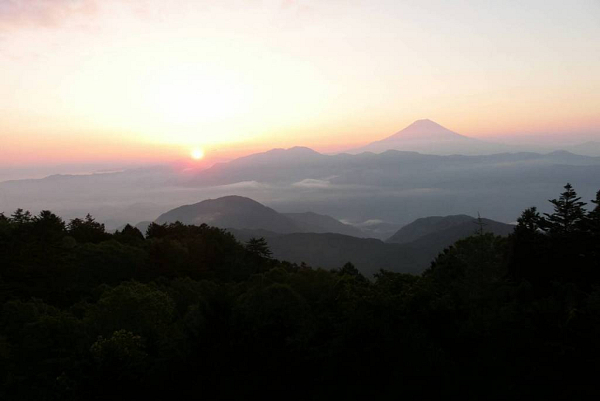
(323, 241)
(375, 193)
(309, 169)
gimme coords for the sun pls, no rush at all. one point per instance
(197, 154)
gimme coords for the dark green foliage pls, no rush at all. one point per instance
(121, 355)
(529, 221)
(259, 246)
(130, 235)
(21, 217)
(87, 230)
(568, 213)
(135, 307)
(47, 226)
(189, 310)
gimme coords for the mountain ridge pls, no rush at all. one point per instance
(230, 211)
(240, 212)
(332, 250)
(435, 232)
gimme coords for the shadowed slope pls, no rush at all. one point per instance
(432, 234)
(231, 212)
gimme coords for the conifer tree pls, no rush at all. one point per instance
(259, 246)
(87, 230)
(529, 220)
(21, 217)
(568, 215)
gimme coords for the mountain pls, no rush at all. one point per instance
(231, 212)
(317, 223)
(410, 250)
(397, 187)
(238, 212)
(429, 137)
(426, 130)
(587, 149)
(432, 234)
(264, 167)
(392, 155)
(425, 226)
(331, 251)
(294, 155)
(377, 193)
(307, 169)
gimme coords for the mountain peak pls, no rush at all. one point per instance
(428, 137)
(231, 211)
(425, 122)
(425, 129)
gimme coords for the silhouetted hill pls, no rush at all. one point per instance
(431, 235)
(411, 251)
(318, 223)
(334, 250)
(451, 228)
(331, 251)
(231, 212)
(239, 212)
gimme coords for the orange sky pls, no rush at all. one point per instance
(148, 80)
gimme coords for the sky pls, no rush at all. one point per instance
(94, 82)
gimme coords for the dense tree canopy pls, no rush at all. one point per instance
(189, 310)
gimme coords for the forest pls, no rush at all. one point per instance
(189, 311)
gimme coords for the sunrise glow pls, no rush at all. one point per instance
(197, 154)
(140, 80)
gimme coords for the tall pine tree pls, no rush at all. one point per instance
(568, 215)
